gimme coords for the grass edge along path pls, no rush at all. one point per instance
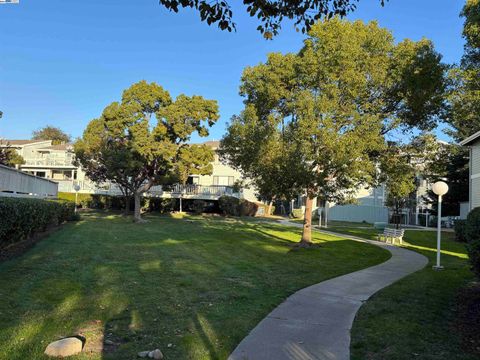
(414, 318)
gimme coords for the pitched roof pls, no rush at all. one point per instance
(212, 143)
(469, 140)
(23, 142)
(58, 147)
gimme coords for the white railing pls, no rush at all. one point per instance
(51, 161)
(193, 189)
(16, 183)
(176, 190)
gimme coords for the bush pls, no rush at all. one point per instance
(22, 218)
(229, 205)
(472, 233)
(161, 205)
(460, 227)
(198, 206)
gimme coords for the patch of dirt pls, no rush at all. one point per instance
(93, 333)
(468, 317)
(99, 339)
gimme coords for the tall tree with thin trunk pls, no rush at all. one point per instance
(330, 106)
(148, 133)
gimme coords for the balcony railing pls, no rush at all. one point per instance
(49, 162)
(176, 190)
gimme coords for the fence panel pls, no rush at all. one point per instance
(16, 183)
(358, 213)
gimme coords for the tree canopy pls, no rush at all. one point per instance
(51, 133)
(329, 107)
(270, 14)
(9, 157)
(143, 140)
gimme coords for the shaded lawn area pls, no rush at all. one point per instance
(199, 284)
(415, 317)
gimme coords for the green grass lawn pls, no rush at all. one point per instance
(415, 317)
(199, 284)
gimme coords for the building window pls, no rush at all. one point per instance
(193, 180)
(223, 180)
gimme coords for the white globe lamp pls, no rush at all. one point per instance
(439, 188)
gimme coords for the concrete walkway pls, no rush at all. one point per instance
(315, 322)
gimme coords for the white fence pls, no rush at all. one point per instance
(358, 213)
(16, 183)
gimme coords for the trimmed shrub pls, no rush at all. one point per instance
(161, 205)
(198, 206)
(232, 206)
(460, 228)
(472, 233)
(22, 217)
(229, 205)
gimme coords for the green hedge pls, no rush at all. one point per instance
(21, 218)
(232, 206)
(472, 233)
(460, 227)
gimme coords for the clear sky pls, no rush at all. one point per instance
(62, 62)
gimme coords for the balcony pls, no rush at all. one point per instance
(50, 162)
(210, 192)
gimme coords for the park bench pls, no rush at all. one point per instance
(392, 235)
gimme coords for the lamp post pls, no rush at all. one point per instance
(76, 187)
(439, 188)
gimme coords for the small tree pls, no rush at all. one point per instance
(51, 133)
(9, 157)
(398, 174)
(139, 153)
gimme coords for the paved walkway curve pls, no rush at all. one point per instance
(314, 323)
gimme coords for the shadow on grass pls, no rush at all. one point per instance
(198, 285)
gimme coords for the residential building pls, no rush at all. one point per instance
(55, 162)
(473, 143)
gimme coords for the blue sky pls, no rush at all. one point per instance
(62, 62)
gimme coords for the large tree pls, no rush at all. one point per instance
(144, 138)
(465, 90)
(51, 133)
(330, 105)
(304, 13)
(451, 160)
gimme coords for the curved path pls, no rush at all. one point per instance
(315, 322)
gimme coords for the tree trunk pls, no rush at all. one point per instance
(127, 205)
(307, 224)
(137, 216)
(269, 210)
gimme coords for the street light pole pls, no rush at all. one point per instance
(439, 232)
(76, 187)
(440, 189)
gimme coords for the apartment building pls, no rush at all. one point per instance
(55, 162)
